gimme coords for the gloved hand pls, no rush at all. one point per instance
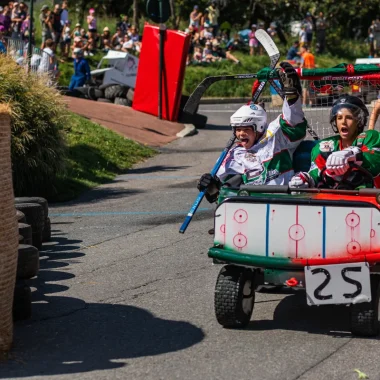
(290, 81)
(301, 180)
(339, 162)
(211, 185)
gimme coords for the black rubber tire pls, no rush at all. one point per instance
(104, 86)
(22, 301)
(364, 317)
(41, 201)
(28, 262)
(46, 233)
(94, 93)
(20, 216)
(130, 94)
(123, 102)
(35, 216)
(116, 91)
(230, 291)
(103, 100)
(25, 230)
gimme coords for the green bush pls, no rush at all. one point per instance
(38, 116)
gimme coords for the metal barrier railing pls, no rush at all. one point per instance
(39, 61)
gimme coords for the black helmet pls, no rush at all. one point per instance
(355, 105)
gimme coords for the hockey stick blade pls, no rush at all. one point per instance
(270, 47)
(192, 103)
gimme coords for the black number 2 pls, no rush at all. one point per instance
(351, 281)
(318, 290)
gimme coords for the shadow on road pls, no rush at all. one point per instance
(293, 313)
(97, 337)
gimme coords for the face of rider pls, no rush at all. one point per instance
(246, 136)
(347, 125)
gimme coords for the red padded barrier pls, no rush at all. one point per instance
(176, 47)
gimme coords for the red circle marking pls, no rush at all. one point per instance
(373, 233)
(353, 248)
(223, 228)
(352, 220)
(296, 232)
(240, 241)
(241, 216)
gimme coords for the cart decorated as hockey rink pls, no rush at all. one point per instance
(325, 241)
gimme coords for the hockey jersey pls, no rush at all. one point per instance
(368, 142)
(269, 161)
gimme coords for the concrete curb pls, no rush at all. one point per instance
(189, 130)
(224, 100)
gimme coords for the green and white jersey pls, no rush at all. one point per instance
(368, 142)
(269, 161)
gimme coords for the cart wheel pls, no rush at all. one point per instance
(364, 317)
(234, 296)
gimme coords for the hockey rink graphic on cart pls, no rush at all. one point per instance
(297, 231)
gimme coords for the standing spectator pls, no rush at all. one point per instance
(66, 39)
(376, 36)
(64, 14)
(124, 24)
(205, 19)
(48, 62)
(253, 42)
(25, 28)
(195, 18)
(302, 36)
(135, 37)
(5, 19)
(46, 28)
(18, 16)
(213, 14)
(293, 53)
(321, 25)
(307, 62)
(56, 24)
(82, 71)
(371, 40)
(91, 21)
(308, 22)
(272, 30)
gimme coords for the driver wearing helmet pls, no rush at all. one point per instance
(263, 154)
(332, 158)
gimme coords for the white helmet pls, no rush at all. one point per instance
(251, 115)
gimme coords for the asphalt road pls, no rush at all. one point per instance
(122, 295)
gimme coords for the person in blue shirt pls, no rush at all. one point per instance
(82, 71)
(293, 54)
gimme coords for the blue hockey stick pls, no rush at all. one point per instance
(274, 56)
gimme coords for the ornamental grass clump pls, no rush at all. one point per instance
(38, 116)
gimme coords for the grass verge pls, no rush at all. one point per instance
(95, 155)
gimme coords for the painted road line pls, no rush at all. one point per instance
(120, 213)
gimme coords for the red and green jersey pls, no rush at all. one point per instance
(368, 142)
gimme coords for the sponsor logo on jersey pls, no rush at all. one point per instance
(251, 157)
(326, 146)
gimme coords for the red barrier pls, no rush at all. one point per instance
(176, 48)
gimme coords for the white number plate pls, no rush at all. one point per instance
(337, 284)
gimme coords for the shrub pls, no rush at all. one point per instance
(38, 116)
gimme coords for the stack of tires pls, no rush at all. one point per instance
(34, 229)
(108, 93)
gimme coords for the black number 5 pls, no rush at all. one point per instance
(351, 281)
(318, 290)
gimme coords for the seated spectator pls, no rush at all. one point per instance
(207, 33)
(135, 38)
(218, 53)
(76, 31)
(127, 44)
(77, 44)
(117, 40)
(293, 53)
(197, 57)
(207, 52)
(105, 40)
